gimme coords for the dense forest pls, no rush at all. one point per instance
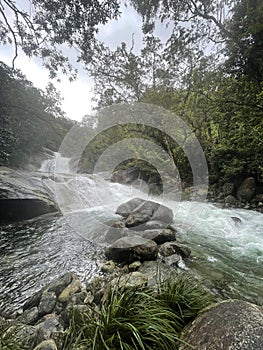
(209, 73)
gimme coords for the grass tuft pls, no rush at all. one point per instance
(139, 319)
(8, 337)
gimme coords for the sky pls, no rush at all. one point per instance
(77, 95)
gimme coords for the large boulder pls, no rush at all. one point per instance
(246, 190)
(231, 324)
(138, 211)
(23, 195)
(132, 248)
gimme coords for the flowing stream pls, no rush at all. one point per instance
(227, 245)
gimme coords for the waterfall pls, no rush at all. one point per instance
(56, 164)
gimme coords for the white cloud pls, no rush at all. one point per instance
(77, 95)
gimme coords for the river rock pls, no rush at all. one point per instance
(135, 266)
(159, 236)
(173, 260)
(152, 225)
(29, 316)
(230, 201)
(59, 284)
(129, 249)
(170, 248)
(126, 176)
(46, 297)
(126, 208)
(149, 210)
(73, 288)
(231, 324)
(246, 190)
(115, 233)
(138, 211)
(49, 325)
(157, 272)
(133, 279)
(47, 303)
(108, 267)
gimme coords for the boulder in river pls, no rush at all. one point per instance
(138, 211)
(231, 324)
(132, 248)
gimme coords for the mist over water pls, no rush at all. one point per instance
(227, 253)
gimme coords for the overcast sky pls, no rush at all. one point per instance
(78, 94)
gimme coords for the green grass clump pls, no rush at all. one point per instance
(8, 337)
(139, 319)
(185, 296)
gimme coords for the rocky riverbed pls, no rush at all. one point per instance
(142, 249)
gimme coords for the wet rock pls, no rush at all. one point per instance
(231, 324)
(59, 284)
(132, 248)
(172, 260)
(159, 236)
(133, 279)
(153, 225)
(126, 208)
(170, 248)
(115, 233)
(33, 301)
(246, 190)
(135, 265)
(46, 345)
(138, 211)
(72, 288)
(47, 303)
(157, 272)
(236, 220)
(230, 201)
(149, 210)
(48, 325)
(29, 316)
(109, 267)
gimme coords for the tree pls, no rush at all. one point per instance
(244, 47)
(124, 76)
(26, 120)
(41, 27)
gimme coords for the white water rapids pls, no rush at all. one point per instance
(226, 254)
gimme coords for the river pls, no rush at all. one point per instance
(227, 253)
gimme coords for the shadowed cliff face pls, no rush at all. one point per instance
(13, 210)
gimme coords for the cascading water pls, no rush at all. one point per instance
(227, 253)
(56, 163)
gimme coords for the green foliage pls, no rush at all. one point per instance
(245, 45)
(185, 296)
(8, 337)
(30, 119)
(40, 27)
(135, 318)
